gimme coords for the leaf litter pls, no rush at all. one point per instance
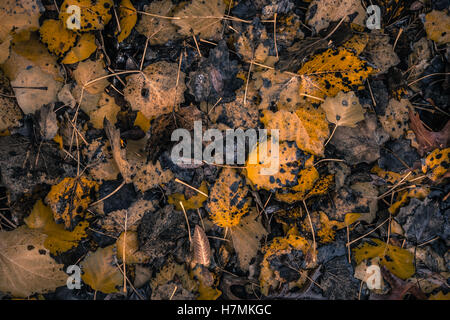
(87, 178)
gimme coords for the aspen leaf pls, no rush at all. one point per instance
(85, 47)
(291, 161)
(270, 278)
(58, 239)
(343, 110)
(201, 18)
(156, 91)
(437, 26)
(331, 72)
(70, 198)
(127, 18)
(128, 248)
(94, 14)
(306, 126)
(437, 164)
(142, 122)
(58, 39)
(158, 30)
(247, 236)
(91, 70)
(17, 16)
(25, 264)
(227, 201)
(100, 272)
(107, 108)
(306, 181)
(400, 262)
(395, 121)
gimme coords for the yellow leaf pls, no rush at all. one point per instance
(228, 200)
(59, 240)
(351, 218)
(404, 196)
(94, 15)
(322, 186)
(291, 160)
(129, 245)
(127, 18)
(142, 122)
(58, 39)
(100, 272)
(437, 164)
(437, 26)
(107, 108)
(85, 47)
(69, 200)
(270, 278)
(194, 202)
(306, 126)
(326, 228)
(440, 296)
(400, 262)
(306, 181)
(331, 72)
(343, 110)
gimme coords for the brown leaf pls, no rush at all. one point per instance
(202, 250)
(119, 154)
(429, 140)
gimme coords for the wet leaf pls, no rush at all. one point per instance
(328, 73)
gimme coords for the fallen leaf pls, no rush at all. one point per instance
(400, 262)
(58, 239)
(119, 154)
(202, 250)
(157, 91)
(395, 120)
(84, 48)
(127, 19)
(437, 26)
(202, 18)
(100, 272)
(194, 202)
(58, 39)
(128, 248)
(107, 109)
(247, 236)
(437, 164)
(228, 201)
(343, 110)
(69, 200)
(91, 70)
(93, 15)
(17, 16)
(26, 266)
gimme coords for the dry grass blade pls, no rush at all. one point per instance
(202, 250)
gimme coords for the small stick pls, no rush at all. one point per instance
(365, 235)
(185, 184)
(109, 195)
(196, 44)
(187, 221)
